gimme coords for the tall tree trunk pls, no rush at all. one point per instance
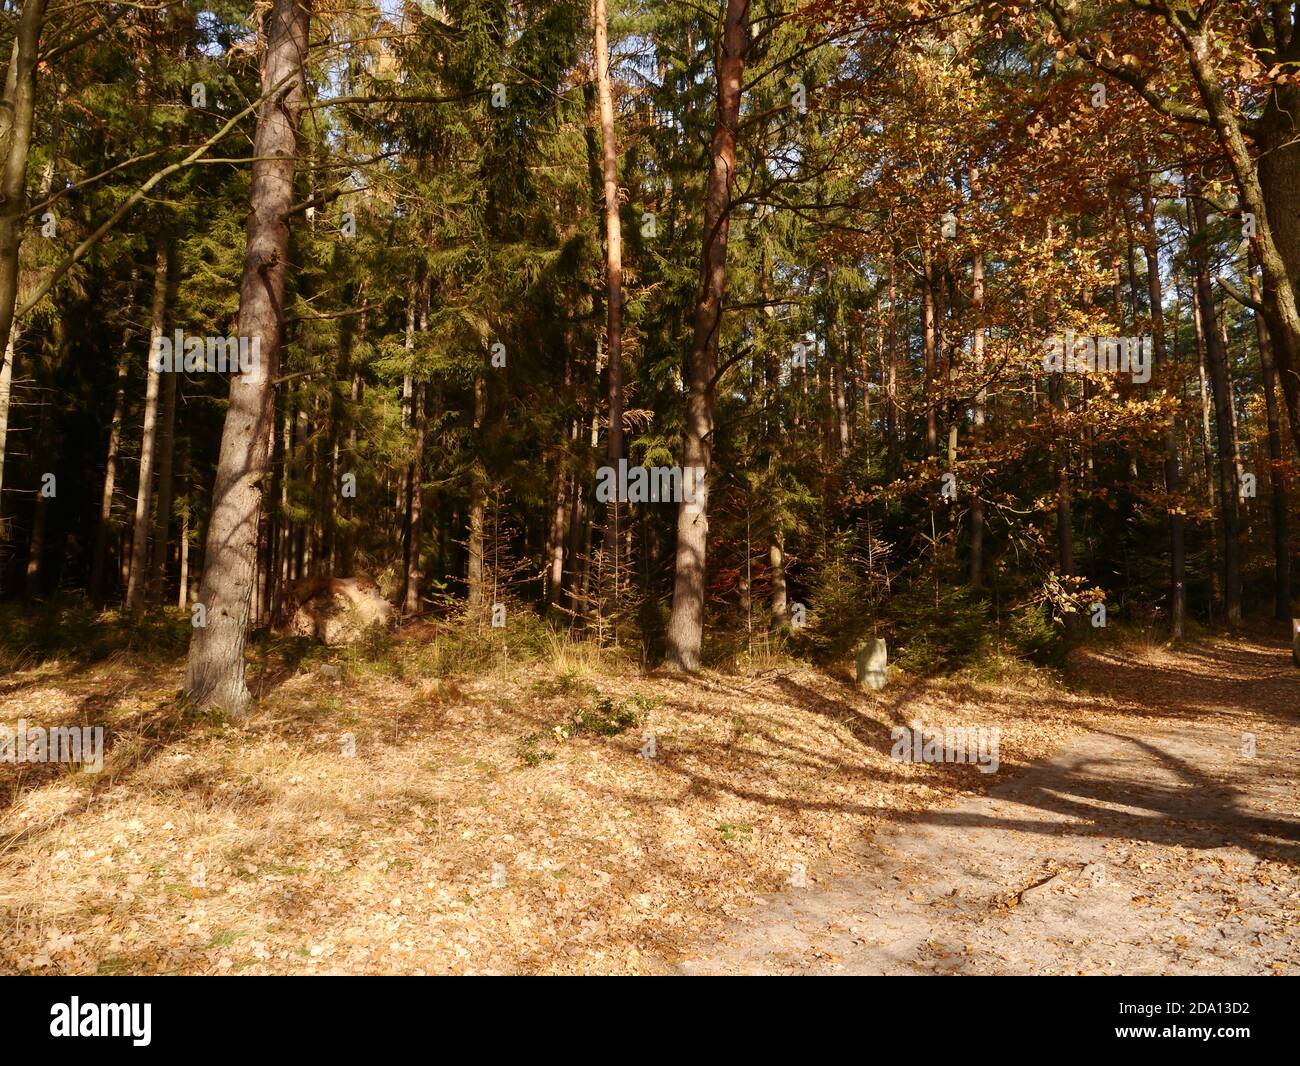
(586, 557)
(17, 113)
(402, 509)
(613, 238)
(1207, 433)
(1173, 475)
(183, 593)
(477, 504)
(281, 473)
(686, 626)
(836, 369)
(137, 582)
(930, 340)
(572, 590)
(1238, 463)
(1277, 243)
(216, 660)
(981, 398)
(163, 513)
(891, 404)
(839, 388)
(303, 424)
(348, 540)
(1216, 359)
(409, 509)
(43, 449)
(100, 558)
(555, 543)
(779, 612)
(1064, 515)
(613, 292)
(1277, 471)
(6, 393)
(411, 599)
(35, 549)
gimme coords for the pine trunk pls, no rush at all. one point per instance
(1277, 471)
(1173, 475)
(685, 635)
(137, 581)
(216, 660)
(1216, 361)
(17, 115)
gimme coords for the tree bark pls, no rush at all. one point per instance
(779, 612)
(183, 592)
(216, 659)
(1172, 473)
(555, 543)
(613, 294)
(414, 576)
(613, 237)
(1064, 508)
(891, 389)
(1216, 359)
(163, 511)
(137, 581)
(686, 625)
(100, 558)
(18, 109)
(17, 116)
(930, 341)
(35, 549)
(6, 393)
(1277, 243)
(838, 357)
(478, 492)
(1277, 470)
(981, 398)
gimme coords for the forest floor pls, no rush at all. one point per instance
(385, 818)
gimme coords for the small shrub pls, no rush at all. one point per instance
(843, 602)
(71, 626)
(607, 718)
(567, 682)
(531, 752)
(1035, 637)
(939, 631)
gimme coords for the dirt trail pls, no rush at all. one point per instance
(1158, 848)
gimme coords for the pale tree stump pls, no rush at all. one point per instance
(873, 661)
(1295, 641)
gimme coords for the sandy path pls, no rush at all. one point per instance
(1174, 851)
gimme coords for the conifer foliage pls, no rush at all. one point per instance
(691, 328)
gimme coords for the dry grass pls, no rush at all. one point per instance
(262, 847)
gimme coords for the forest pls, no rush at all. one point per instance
(905, 346)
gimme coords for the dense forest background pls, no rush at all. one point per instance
(487, 248)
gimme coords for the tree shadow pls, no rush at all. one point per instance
(1223, 676)
(1201, 812)
(128, 748)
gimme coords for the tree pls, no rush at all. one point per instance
(138, 581)
(216, 660)
(686, 627)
